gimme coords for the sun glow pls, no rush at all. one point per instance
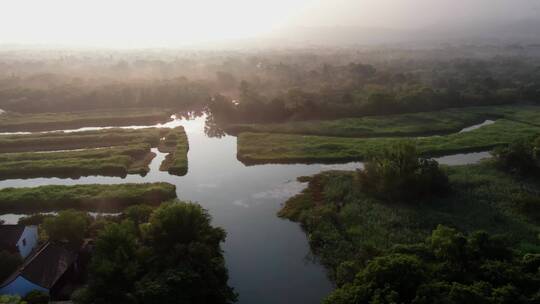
(140, 23)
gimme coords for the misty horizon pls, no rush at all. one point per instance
(237, 24)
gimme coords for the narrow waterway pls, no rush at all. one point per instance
(268, 258)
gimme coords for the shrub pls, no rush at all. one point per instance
(399, 174)
(68, 226)
(8, 263)
(37, 297)
(449, 267)
(521, 156)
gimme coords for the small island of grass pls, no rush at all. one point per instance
(93, 197)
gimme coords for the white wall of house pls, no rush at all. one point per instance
(20, 286)
(28, 241)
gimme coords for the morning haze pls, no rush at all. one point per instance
(269, 152)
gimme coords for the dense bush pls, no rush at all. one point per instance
(5, 299)
(397, 173)
(449, 267)
(84, 197)
(521, 156)
(8, 264)
(176, 259)
(68, 226)
(37, 297)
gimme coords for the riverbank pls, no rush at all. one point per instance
(95, 197)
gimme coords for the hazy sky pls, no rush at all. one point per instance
(148, 23)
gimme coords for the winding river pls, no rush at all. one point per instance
(268, 258)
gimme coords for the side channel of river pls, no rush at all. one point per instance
(268, 258)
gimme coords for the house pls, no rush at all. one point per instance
(51, 269)
(18, 239)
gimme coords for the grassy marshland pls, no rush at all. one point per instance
(83, 197)
(344, 224)
(113, 152)
(177, 145)
(414, 124)
(79, 140)
(18, 122)
(115, 161)
(267, 147)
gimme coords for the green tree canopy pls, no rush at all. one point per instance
(68, 226)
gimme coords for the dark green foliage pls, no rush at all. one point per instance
(138, 214)
(450, 268)
(68, 226)
(176, 259)
(397, 173)
(36, 297)
(6, 299)
(187, 261)
(84, 197)
(521, 156)
(114, 266)
(346, 227)
(8, 264)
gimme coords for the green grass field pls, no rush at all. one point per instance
(116, 161)
(415, 124)
(412, 124)
(177, 145)
(282, 148)
(104, 198)
(18, 122)
(79, 140)
(111, 152)
(344, 224)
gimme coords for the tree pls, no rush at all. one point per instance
(448, 268)
(186, 260)
(521, 156)
(8, 264)
(114, 266)
(397, 173)
(176, 258)
(6, 299)
(37, 297)
(68, 226)
(138, 214)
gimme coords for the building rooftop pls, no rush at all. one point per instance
(46, 265)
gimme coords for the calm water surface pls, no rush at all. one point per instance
(268, 258)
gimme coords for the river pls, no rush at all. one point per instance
(268, 258)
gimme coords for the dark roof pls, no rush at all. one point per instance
(47, 265)
(9, 235)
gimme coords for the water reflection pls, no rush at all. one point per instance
(477, 126)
